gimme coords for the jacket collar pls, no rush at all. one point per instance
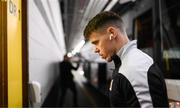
(124, 50)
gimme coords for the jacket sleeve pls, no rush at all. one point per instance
(157, 87)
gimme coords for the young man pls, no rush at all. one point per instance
(138, 82)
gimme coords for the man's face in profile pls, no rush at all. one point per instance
(103, 45)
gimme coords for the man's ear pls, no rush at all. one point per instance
(112, 32)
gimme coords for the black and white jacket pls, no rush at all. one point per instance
(139, 82)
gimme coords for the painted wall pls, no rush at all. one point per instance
(46, 42)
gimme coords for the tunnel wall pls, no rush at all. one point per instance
(46, 43)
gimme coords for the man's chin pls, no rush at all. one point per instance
(108, 59)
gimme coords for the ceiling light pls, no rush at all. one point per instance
(78, 47)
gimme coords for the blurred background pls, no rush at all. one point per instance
(36, 34)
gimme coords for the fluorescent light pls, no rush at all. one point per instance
(81, 72)
(69, 54)
(125, 1)
(110, 5)
(78, 47)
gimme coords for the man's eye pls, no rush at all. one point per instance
(95, 42)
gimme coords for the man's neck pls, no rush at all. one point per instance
(121, 41)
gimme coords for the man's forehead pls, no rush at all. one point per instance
(93, 36)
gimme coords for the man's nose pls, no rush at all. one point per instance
(96, 50)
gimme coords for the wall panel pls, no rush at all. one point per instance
(46, 43)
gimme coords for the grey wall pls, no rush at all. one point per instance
(46, 42)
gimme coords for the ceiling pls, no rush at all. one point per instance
(77, 13)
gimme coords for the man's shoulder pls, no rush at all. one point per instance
(136, 58)
(136, 63)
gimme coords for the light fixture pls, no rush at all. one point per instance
(78, 47)
(81, 72)
(110, 5)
